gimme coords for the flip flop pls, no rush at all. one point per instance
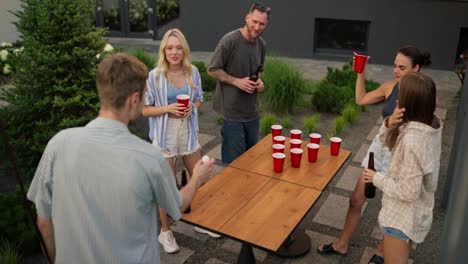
(329, 250)
(376, 259)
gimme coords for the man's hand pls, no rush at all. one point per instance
(260, 85)
(245, 85)
(202, 171)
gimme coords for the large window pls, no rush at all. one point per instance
(340, 36)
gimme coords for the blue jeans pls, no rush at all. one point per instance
(238, 137)
(395, 233)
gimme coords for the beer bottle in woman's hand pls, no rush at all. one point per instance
(370, 188)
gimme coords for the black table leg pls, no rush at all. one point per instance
(246, 255)
(297, 245)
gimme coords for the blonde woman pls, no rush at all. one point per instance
(174, 129)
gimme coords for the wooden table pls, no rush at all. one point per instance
(248, 202)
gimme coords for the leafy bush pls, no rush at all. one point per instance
(148, 59)
(208, 82)
(350, 113)
(284, 86)
(54, 84)
(15, 226)
(9, 55)
(167, 10)
(286, 122)
(340, 124)
(336, 90)
(9, 252)
(266, 122)
(310, 123)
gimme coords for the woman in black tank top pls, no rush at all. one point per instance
(408, 59)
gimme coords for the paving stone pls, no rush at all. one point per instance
(177, 258)
(441, 112)
(349, 178)
(215, 261)
(316, 239)
(379, 121)
(377, 233)
(362, 152)
(369, 252)
(186, 229)
(215, 152)
(374, 131)
(235, 247)
(203, 139)
(333, 211)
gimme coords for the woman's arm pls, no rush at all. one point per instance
(367, 98)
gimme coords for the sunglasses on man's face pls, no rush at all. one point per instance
(261, 8)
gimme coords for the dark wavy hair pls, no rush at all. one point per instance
(423, 59)
(418, 96)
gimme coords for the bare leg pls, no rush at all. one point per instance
(396, 251)
(191, 160)
(353, 217)
(162, 213)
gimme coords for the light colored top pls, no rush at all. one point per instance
(156, 95)
(101, 186)
(409, 186)
(173, 92)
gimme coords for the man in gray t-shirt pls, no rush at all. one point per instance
(240, 54)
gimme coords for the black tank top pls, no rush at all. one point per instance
(390, 102)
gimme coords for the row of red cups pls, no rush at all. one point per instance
(294, 134)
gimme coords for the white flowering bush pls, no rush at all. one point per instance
(8, 57)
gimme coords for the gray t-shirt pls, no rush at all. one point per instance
(239, 58)
(101, 186)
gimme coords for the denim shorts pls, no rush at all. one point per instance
(176, 138)
(395, 233)
(381, 155)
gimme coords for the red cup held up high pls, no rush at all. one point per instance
(360, 62)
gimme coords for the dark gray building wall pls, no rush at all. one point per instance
(433, 26)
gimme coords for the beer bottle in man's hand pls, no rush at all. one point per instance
(254, 76)
(183, 182)
(370, 188)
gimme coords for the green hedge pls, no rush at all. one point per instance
(208, 83)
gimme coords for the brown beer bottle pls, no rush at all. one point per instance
(254, 76)
(183, 182)
(370, 188)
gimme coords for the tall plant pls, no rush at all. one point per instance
(54, 84)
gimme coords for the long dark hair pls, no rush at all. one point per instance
(418, 96)
(423, 59)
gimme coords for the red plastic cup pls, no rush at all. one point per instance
(296, 156)
(295, 143)
(276, 130)
(278, 162)
(183, 99)
(335, 143)
(312, 151)
(315, 138)
(295, 134)
(278, 148)
(359, 63)
(279, 140)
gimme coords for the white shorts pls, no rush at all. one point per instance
(381, 155)
(176, 139)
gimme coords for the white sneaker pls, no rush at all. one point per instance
(203, 231)
(168, 242)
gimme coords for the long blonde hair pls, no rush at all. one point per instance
(163, 64)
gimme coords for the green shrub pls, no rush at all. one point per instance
(15, 225)
(310, 88)
(54, 84)
(148, 59)
(207, 96)
(167, 10)
(350, 113)
(310, 123)
(219, 121)
(9, 55)
(284, 86)
(266, 122)
(9, 252)
(340, 124)
(286, 122)
(336, 90)
(208, 82)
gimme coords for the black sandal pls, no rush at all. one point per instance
(376, 260)
(329, 250)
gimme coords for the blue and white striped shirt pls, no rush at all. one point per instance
(156, 95)
(101, 186)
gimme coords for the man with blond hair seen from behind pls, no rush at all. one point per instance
(97, 188)
(237, 56)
